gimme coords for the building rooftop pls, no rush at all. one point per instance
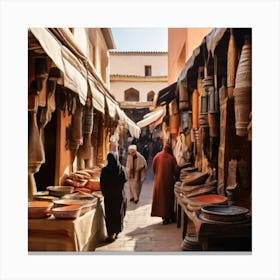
(137, 52)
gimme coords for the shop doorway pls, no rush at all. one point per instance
(46, 175)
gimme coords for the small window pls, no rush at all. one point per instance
(131, 94)
(150, 96)
(148, 70)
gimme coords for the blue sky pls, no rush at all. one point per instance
(140, 39)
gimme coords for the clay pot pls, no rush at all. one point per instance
(67, 212)
(93, 184)
(85, 205)
(39, 209)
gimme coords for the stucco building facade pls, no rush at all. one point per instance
(135, 78)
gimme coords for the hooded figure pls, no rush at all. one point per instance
(112, 179)
(136, 168)
(165, 171)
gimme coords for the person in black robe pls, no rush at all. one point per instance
(112, 179)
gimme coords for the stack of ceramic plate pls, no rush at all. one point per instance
(85, 204)
(194, 178)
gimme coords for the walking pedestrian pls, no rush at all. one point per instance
(166, 170)
(146, 151)
(112, 179)
(136, 167)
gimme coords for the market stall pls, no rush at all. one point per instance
(80, 234)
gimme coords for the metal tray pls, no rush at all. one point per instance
(224, 213)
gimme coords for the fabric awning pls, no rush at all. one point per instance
(213, 39)
(78, 71)
(98, 99)
(133, 129)
(152, 117)
(190, 62)
(73, 69)
(209, 42)
(166, 95)
(112, 107)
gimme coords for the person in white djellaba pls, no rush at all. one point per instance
(136, 167)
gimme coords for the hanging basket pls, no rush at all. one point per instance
(231, 64)
(243, 90)
(214, 124)
(174, 123)
(183, 98)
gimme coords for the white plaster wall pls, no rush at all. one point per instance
(127, 64)
(118, 89)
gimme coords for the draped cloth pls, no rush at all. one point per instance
(165, 171)
(112, 180)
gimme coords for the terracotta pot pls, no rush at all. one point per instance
(67, 212)
(93, 184)
(85, 205)
(39, 209)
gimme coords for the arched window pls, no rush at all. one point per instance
(131, 94)
(150, 95)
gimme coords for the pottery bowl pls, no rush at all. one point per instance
(67, 212)
(85, 205)
(60, 190)
(224, 213)
(93, 184)
(207, 199)
(195, 178)
(39, 209)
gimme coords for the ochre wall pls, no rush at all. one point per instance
(181, 43)
(64, 157)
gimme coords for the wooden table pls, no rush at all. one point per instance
(80, 234)
(181, 217)
(209, 231)
(236, 235)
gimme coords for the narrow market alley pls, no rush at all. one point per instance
(143, 233)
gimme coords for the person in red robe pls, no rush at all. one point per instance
(166, 170)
